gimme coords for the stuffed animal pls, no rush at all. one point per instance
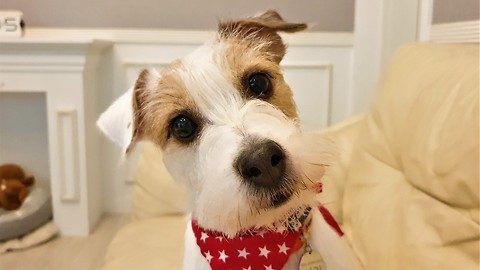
(13, 186)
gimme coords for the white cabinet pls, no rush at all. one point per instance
(65, 72)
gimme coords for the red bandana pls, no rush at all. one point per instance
(262, 249)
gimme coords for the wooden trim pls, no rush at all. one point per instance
(85, 35)
(68, 152)
(457, 32)
(324, 67)
(425, 12)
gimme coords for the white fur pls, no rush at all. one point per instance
(205, 81)
(334, 249)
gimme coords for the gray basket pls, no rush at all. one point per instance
(35, 211)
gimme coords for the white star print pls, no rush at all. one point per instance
(204, 236)
(219, 238)
(208, 256)
(283, 248)
(249, 268)
(243, 253)
(223, 256)
(268, 267)
(264, 252)
(281, 229)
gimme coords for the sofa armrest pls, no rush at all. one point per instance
(343, 136)
(148, 244)
(155, 193)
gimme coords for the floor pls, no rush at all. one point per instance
(69, 253)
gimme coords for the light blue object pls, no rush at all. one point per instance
(35, 211)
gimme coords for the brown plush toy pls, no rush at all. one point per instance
(13, 186)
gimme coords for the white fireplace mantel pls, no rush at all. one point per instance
(64, 63)
(65, 71)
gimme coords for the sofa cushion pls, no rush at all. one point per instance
(155, 193)
(411, 195)
(344, 136)
(152, 243)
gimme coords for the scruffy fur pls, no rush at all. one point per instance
(208, 85)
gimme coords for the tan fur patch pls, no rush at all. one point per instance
(242, 59)
(254, 45)
(158, 105)
(261, 30)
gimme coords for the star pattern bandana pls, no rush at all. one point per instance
(252, 250)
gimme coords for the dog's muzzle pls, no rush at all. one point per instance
(262, 164)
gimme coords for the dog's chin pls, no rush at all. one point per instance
(277, 197)
(282, 207)
(281, 204)
(268, 213)
(281, 198)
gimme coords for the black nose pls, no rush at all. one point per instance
(262, 163)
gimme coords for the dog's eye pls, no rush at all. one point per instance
(259, 85)
(183, 128)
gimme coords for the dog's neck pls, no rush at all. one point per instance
(299, 218)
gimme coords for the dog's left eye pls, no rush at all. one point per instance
(259, 85)
(183, 128)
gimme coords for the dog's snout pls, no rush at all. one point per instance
(262, 163)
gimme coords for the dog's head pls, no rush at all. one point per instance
(227, 124)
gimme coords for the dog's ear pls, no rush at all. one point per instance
(122, 122)
(116, 121)
(264, 29)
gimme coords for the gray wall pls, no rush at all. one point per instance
(328, 15)
(22, 140)
(445, 11)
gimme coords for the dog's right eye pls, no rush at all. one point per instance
(259, 85)
(183, 128)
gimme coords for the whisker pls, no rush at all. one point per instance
(306, 176)
(317, 164)
(329, 202)
(239, 220)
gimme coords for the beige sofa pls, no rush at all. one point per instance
(405, 188)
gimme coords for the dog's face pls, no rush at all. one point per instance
(226, 122)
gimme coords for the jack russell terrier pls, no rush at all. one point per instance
(228, 127)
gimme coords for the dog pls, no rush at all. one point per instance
(228, 127)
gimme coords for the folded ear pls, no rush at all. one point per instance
(117, 121)
(122, 121)
(263, 29)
